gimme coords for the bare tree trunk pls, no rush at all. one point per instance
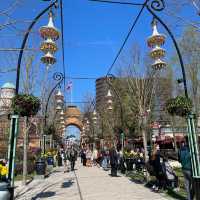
(25, 150)
(145, 145)
(174, 135)
(144, 136)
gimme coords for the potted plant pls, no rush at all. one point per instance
(4, 185)
(180, 106)
(25, 105)
(128, 159)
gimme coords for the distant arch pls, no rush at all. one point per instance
(73, 117)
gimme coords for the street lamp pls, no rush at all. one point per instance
(153, 6)
(109, 96)
(59, 77)
(14, 117)
(94, 120)
(50, 34)
(109, 100)
(155, 41)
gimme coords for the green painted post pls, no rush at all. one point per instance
(122, 141)
(11, 151)
(194, 149)
(14, 147)
(191, 145)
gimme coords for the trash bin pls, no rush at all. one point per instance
(4, 192)
(40, 167)
(50, 160)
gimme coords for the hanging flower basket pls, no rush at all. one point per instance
(25, 105)
(180, 106)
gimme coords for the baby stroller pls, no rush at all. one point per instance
(170, 176)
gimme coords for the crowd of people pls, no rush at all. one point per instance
(158, 164)
(115, 159)
(67, 158)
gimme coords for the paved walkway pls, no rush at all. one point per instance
(85, 184)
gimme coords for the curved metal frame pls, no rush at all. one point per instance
(25, 40)
(156, 6)
(57, 76)
(159, 5)
(14, 122)
(118, 97)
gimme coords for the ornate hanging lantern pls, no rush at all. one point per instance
(109, 95)
(157, 52)
(49, 31)
(61, 117)
(48, 59)
(156, 38)
(62, 113)
(58, 108)
(158, 64)
(63, 126)
(59, 101)
(59, 96)
(109, 101)
(48, 46)
(62, 122)
(110, 107)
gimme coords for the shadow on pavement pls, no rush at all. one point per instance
(175, 195)
(44, 195)
(67, 184)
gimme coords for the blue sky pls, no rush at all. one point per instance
(93, 33)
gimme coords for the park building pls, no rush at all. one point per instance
(7, 92)
(161, 128)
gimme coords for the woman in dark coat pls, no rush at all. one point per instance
(113, 161)
(158, 170)
(83, 157)
(59, 158)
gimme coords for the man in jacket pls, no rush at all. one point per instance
(185, 160)
(72, 157)
(113, 161)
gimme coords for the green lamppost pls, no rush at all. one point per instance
(154, 6)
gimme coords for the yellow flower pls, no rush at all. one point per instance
(4, 171)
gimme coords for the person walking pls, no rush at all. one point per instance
(59, 159)
(65, 161)
(185, 159)
(157, 167)
(94, 156)
(89, 157)
(83, 156)
(72, 157)
(113, 161)
(121, 162)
